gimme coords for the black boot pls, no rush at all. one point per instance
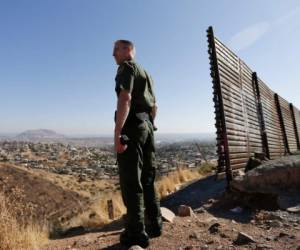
(128, 240)
(154, 230)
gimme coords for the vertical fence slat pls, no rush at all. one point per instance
(261, 117)
(222, 144)
(247, 112)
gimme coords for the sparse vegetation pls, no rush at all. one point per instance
(66, 198)
(15, 235)
(97, 214)
(206, 168)
(172, 181)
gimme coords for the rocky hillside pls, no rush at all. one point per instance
(38, 198)
(39, 135)
(209, 219)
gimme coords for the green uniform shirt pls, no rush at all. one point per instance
(134, 79)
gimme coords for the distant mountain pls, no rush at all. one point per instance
(39, 134)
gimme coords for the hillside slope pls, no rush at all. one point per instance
(38, 198)
(212, 226)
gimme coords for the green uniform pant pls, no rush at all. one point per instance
(137, 174)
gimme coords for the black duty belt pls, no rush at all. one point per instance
(142, 116)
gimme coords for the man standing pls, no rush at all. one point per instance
(134, 144)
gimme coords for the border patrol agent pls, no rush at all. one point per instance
(134, 144)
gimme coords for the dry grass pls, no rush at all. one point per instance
(89, 188)
(172, 182)
(18, 233)
(97, 214)
(15, 235)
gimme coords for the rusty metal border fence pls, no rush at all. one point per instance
(249, 116)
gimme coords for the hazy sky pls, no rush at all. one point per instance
(57, 70)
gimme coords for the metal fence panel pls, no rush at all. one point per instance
(250, 117)
(296, 114)
(271, 119)
(288, 125)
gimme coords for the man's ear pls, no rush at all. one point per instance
(132, 52)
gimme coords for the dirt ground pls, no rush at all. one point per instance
(219, 222)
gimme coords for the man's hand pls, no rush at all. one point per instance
(153, 112)
(119, 148)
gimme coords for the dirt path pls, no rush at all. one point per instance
(214, 225)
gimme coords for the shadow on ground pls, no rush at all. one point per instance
(208, 192)
(113, 228)
(195, 194)
(211, 193)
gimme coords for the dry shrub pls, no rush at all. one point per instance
(171, 182)
(207, 168)
(97, 214)
(15, 235)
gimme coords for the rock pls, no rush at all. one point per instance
(276, 223)
(295, 209)
(223, 235)
(263, 247)
(184, 211)
(135, 247)
(291, 203)
(239, 173)
(167, 214)
(194, 235)
(270, 238)
(271, 177)
(243, 238)
(204, 247)
(237, 210)
(211, 201)
(200, 210)
(214, 228)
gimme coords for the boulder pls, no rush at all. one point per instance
(184, 211)
(135, 247)
(243, 238)
(167, 214)
(273, 177)
(290, 203)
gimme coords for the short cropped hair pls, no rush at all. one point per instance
(127, 43)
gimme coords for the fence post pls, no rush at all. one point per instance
(222, 140)
(281, 121)
(261, 116)
(110, 208)
(295, 125)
